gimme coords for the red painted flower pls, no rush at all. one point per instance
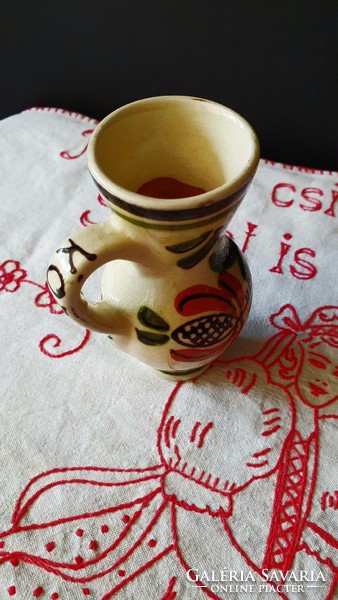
(45, 300)
(209, 333)
(11, 276)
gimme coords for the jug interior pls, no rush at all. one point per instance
(194, 142)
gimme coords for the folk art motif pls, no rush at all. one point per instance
(12, 276)
(285, 398)
(203, 485)
(165, 244)
(205, 336)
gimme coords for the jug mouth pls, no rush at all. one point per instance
(195, 141)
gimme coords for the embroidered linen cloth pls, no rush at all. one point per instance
(118, 484)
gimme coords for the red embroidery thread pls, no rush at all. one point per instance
(11, 278)
(300, 169)
(62, 111)
(65, 154)
(170, 594)
(295, 468)
(56, 342)
(203, 434)
(329, 500)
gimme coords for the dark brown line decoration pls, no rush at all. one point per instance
(60, 291)
(173, 215)
(219, 297)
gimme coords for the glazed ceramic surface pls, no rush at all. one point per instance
(175, 289)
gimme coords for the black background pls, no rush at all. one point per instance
(276, 63)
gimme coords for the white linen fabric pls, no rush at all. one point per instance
(116, 483)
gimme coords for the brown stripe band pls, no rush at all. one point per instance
(185, 214)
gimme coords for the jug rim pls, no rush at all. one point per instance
(216, 198)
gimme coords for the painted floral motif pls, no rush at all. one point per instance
(207, 335)
(11, 276)
(199, 246)
(150, 319)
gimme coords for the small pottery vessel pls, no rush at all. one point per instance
(175, 289)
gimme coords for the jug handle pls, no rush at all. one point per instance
(76, 259)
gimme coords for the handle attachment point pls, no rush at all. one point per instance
(75, 260)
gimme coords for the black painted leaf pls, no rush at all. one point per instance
(151, 339)
(243, 267)
(151, 319)
(193, 259)
(225, 256)
(189, 244)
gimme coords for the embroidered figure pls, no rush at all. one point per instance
(206, 485)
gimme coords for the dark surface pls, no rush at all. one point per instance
(274, 62)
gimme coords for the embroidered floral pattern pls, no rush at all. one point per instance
(46, 300)
(11, 276)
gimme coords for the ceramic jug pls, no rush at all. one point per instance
(175, 290)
